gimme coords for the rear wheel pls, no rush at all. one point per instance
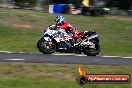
(92, 50)
(46, 47)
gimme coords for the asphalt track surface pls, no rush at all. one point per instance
(64, 59)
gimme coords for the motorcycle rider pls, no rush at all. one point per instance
(61, 23)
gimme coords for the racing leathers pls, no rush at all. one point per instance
(69, 28)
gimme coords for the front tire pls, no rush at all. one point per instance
(92, 51)
(46, 47)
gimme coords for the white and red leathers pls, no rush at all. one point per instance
(66, 25)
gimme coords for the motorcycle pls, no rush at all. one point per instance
(58, 40)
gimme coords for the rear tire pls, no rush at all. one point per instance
(89, 52)
(46, 48)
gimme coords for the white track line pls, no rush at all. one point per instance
(70, 54)
(65, 54)
(126, 57)
(21, 52)
(15, 59)
(80, 55)
(5, 52)
(110, 56)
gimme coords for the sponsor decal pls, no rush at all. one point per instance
(83, 78)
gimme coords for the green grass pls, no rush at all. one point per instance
(115, 39)
(54, 75)
(115, 33)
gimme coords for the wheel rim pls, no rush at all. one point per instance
(48, 46)
(94, 48)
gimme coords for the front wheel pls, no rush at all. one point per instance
(91, 50)
(46, 47)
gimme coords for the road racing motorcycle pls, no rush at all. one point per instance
(58, 40)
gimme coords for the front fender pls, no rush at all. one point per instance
(47, 38)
